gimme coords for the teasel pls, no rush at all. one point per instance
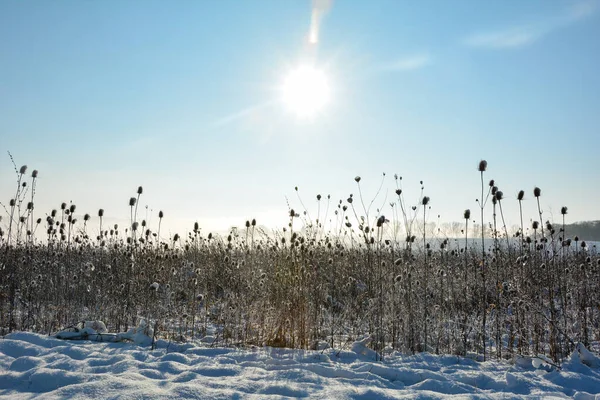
(482, 168)
(537, 193)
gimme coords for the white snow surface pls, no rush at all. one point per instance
(43, 367)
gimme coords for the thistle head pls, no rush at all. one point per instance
(482, 165)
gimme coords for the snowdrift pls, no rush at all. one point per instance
(42, 367)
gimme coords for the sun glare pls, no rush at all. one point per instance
(306, 91)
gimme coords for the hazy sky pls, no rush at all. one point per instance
(182, 97)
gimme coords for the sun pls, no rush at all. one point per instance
(306, 91)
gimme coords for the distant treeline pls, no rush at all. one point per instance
(586, 230)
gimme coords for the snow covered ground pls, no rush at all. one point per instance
(42, 367)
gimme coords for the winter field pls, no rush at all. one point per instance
(377, 303)
(34, 366)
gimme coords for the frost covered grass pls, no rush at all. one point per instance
(41, 367)
(332, 275)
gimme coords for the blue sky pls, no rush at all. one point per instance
(182, 98)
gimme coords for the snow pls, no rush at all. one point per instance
(44, 367)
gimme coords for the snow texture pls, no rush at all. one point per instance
(42, 367)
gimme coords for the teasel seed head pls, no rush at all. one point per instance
(23, 169)
(63, 206)
(101, 213)
(521, 195)
(537, 191)
(499, 195)
(132, 201)
(86, 217)
(140, 190)
(425, 200)
(467, 214)
(160, 214)
(357, 179)
(482, 165)
(34, 174)
(563, 210)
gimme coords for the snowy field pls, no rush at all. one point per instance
(42, 367)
